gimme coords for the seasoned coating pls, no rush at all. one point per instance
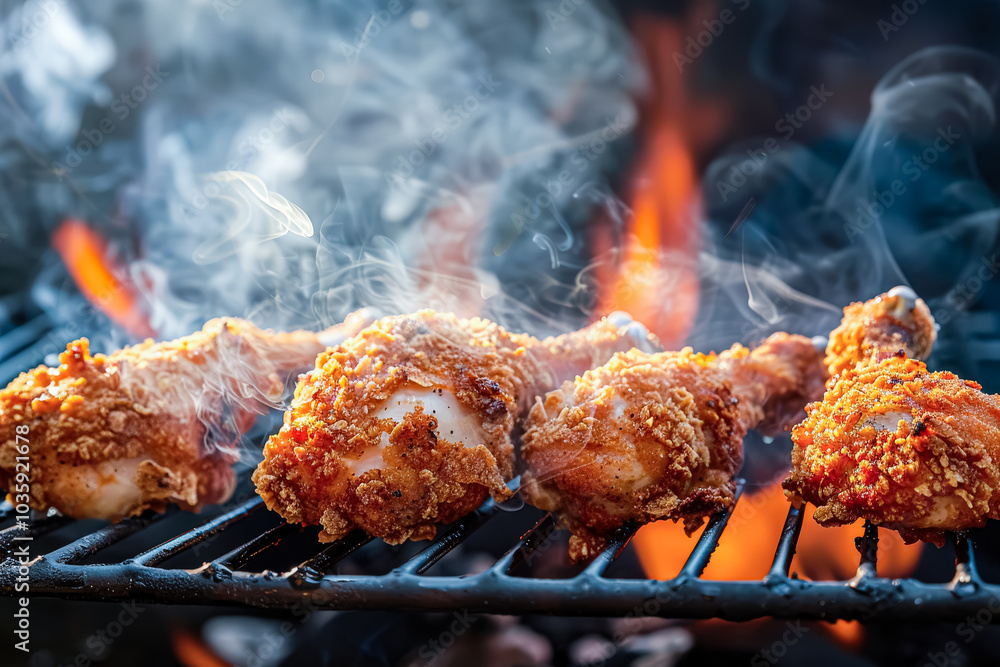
(658, 436)
(901, 447)
(109, 436)
(408, 424)
(879, 327)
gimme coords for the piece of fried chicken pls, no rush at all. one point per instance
(109, 436)
(659, 436)
(897, 445)
(901, 447)
(409, 423)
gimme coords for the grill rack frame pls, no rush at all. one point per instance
(221, 581)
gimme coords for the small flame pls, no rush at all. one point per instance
(86, 256)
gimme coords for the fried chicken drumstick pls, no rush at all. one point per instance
(659, 436)
(156, 423)
(895, 444)
(896, 320)
(409, 423)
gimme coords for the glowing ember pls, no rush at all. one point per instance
(85, 254)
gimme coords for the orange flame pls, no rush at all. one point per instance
(747, 548)
(748, 543)
(654, 278)
(85, 254)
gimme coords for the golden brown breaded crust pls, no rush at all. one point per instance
(307, 475)
(881, 325)
(642, 438)
(168, 414)
(901, 447)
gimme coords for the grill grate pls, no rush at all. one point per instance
(223, 580)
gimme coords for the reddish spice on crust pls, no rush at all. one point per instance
(902, 447)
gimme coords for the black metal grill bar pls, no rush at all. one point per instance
(310, 571)
(604, 559)
(90, 544)
(966, 572)
(531, 540)
(491, 592)
(702, 552)
(26, 334)
(185, 541)
(867, 545)
(35, 529)
(785, 551)
(426, 559)
(15, 359)
(241, 555)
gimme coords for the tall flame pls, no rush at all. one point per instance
(85, 253)
(654, 278)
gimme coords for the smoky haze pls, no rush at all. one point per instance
(292, 163)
